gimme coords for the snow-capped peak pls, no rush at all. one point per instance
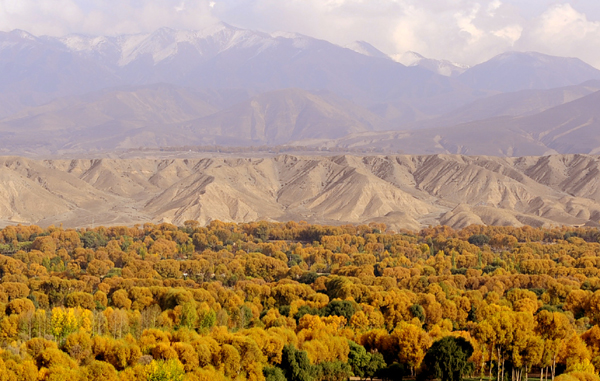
(22, 34)
(367, 49)
(165, 43)
(16, 38)
(83, 43)
(443, 67)
(408, 58)
(299, 41)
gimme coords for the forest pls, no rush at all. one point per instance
(293, 301)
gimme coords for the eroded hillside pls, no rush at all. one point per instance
(401, 191)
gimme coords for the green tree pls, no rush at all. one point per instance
(332, 371)
(339, 308)
(296, 365)
(362, 363)
(394, 372)
(273, 373)
(447, 359)
(417, 311)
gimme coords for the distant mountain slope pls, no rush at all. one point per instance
(402, 191)
(156, 104)
(108, 115)
(285, 115)
(220, 56)
(166, 115)
(514, 71)
(572, 127)
(36, 70)
(520, 103)
(569, 128)
(80, 93)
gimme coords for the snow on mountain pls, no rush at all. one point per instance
(166, 43)
(15, 38)
(18, 33)
(442, 67)
(299, 41)
(83, 43)
(367, 49)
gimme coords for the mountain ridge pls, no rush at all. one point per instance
(514, 71)
(567, 128)
(404, 191)
(86, 93)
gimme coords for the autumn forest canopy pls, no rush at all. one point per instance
(293, 301)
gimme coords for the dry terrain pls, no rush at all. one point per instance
(402, 191)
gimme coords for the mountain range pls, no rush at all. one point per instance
(403, 191)
(234, 87)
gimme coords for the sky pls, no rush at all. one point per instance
(463, 31)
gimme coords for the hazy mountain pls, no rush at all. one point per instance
(568, 128)
(402, 191)
(80, 93)
(221, 56)
(108, 118)
(514, 71)
(282, 116)
(35, 70)
(442, 67)
(520, 103)
(166, 115)
(148, 104)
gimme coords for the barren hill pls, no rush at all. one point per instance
(402, 191)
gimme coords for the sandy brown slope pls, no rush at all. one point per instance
(402, 191)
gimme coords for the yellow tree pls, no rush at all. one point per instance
(532, 353)
(574, 353)
(592, 339)
(487, 338)
(522, 334)
(554, 328)
(63, 322)
(410, 343)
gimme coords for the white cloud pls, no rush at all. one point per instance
(462, 31)
(464, 21)
(59, 17)
(511, 33)
(562, 30)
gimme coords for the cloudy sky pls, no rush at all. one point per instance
(465, 31)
